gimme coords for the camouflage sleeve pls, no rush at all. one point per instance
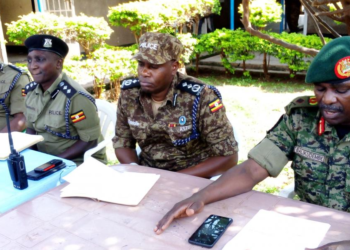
(84, 118)
(16, 96)
(123, 137)
(275, 150)
(214, 126)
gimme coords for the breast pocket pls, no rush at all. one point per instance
(55, 120)
(138, 129)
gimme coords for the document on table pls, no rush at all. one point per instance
(95, 180)
(21, 141)
(269, 230)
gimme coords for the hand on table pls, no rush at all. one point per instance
(339, 245)
(185, 208)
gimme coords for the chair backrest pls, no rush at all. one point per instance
(108, 116)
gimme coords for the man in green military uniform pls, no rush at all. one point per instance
(57, 107)
(313, 134)
(12, 83)
(179, 123)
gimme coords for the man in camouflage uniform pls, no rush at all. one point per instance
(57, 107)
(313, 134)
(12, 82)
(179, 123)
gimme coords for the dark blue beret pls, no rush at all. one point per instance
(332, 63)
(47, 43)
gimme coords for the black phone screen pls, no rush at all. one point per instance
(210, 231)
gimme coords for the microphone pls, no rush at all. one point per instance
(15, 162)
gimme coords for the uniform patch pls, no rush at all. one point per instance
(310, 155)
(342, 68)
(172, 125)
(77, 117)
(182, 120)
(23, 92)
(321, 126)
(215, 105)
(312, 100)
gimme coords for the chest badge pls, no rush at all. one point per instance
(182, 120)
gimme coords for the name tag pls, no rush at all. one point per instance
(310, 155)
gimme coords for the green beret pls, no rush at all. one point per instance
(47, 43)
(332, 63)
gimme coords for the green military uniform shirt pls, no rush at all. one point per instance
(46, 114)
(320, 159)
(174, 123)
(15, 98)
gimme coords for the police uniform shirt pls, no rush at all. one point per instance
(320, 159)
(46, 111)
(174, 123)
(15, 100)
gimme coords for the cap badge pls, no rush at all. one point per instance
(182, 120)
(342, 68)
(47, 43)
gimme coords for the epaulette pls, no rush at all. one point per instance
(16, 68)
(130, 83)
(67, 89)
(29, 87)
(194, 88)
(301, 102)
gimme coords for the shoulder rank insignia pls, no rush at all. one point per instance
(78, 116)
(130, 83)
(67, 89)
(29, 87)
(301, 102)
(194, 88)
(215, 105)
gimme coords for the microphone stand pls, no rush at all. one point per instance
(15, 162)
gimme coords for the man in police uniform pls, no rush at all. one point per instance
(57, 107)
(179, 123)
(313, 134)
(12, 83)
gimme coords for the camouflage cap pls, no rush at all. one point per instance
(332, 63)
(158, 48)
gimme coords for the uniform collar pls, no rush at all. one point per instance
(323, 127)
(53, 87)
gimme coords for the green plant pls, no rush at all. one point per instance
(87, 31)
(297, 61)
(161, 15)
(263, 12)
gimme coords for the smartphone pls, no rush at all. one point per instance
(210, 231)
(48, 165)
(34, 175)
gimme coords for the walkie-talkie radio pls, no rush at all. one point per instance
(16, 163)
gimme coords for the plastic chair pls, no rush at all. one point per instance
(108, 117)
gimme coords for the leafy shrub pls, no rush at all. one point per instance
(263, 12)
(87, 31)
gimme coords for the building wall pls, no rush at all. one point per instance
(11, 9)
(99, 8)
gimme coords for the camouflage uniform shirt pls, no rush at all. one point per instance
(164, 139)
(320, 159)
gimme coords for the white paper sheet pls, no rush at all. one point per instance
(21, 141)
(95, 180)
(269, 230)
